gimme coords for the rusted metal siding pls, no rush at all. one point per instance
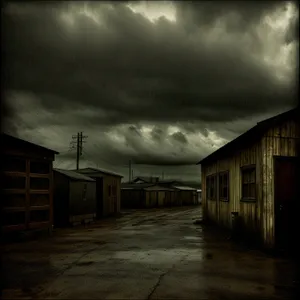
(278, 141)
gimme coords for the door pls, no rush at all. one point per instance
(285, 201)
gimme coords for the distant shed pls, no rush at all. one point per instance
(74, 198)
(186, 195)
(27, 187)
(108, 190)
(147, 195)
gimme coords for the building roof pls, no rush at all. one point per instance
(250, 136)
(184, 188)
(6, 138)
(146, 178)
(94, 171)
(157, 187)
(135, 186)
(74, 175)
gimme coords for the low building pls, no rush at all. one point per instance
(108, 190)
(145, 179)
(27, 185)
(186, 195)
(254, 178)
(160, 196)
(134, 195)
(146, 195)
(74, 200)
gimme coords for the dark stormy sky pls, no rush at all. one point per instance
(161, 83)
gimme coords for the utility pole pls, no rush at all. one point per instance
(129, 171)
(78, 140)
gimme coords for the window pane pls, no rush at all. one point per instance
(39, 183)
(14, 200)
(225, 179)
(225, 191)
(252, 190)
(14, 182)
(252, 176)
(245, 176)
(39, 199)
(39, 216)
(39, 167)
(13, 218)
(221, 180)
(245, 193)
(14, 164)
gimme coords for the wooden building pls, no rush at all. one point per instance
(150, 195)
(27, 185)
(146, 195)
(134, 195)
(74, 198)
(254, 177)
(186, 195)
(108, 190)
(160, 196)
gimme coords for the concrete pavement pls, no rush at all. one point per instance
(149, 254)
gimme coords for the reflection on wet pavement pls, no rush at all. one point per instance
(148, 254)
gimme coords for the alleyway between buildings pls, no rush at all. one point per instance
(149, 254)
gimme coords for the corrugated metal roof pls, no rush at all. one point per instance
(135, 186)
(184, 188)
(74, 175)
(249, 136)
(94, 171)
(159, 188)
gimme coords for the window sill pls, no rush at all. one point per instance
(224, 200)
(249, 200)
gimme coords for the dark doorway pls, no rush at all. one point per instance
(99, 197)
(285, 202)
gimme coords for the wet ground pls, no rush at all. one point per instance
(154, 254)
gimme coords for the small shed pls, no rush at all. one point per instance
(147, 195)
(186, 195)
(108, 190)
(159, 196)
(27, 185)
(134, 195)
(74, 198)
(253, 178)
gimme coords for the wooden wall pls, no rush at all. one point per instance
(28, 192)
(278, 141)
(257, 216)
(220, 211)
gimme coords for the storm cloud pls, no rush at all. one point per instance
(159, 83)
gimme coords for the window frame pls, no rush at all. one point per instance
(248, 169)
(208, 187)
(222, 186)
